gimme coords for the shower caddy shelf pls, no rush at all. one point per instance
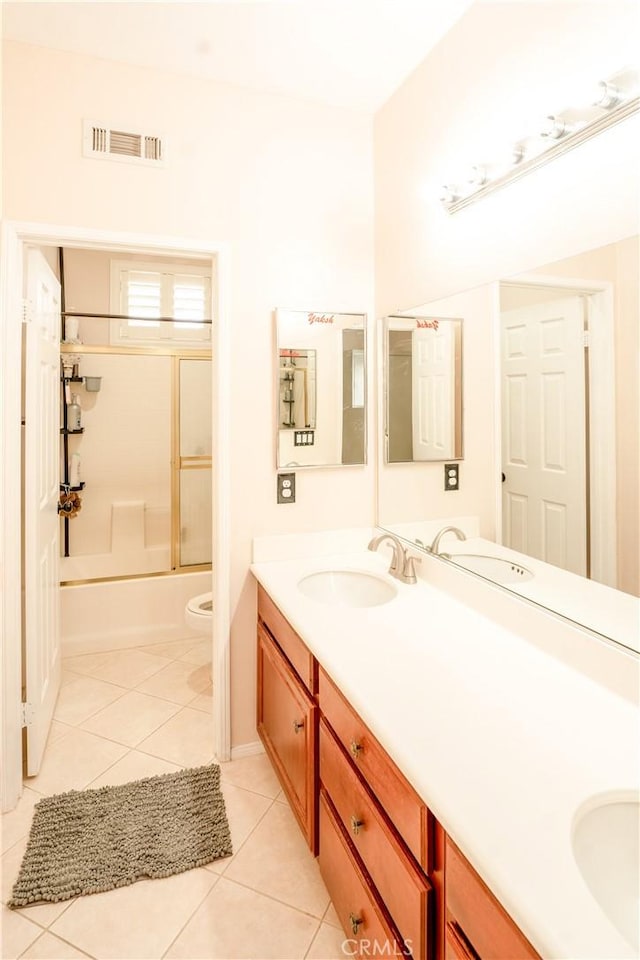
(65, 433)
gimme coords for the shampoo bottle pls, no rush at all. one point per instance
(74, 414)
(74, 471)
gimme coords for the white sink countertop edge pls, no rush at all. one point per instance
(502, 741)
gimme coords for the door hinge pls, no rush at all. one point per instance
(586, 339)
(26, 311)
(26, 714)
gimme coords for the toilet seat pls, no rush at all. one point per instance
(198, 612)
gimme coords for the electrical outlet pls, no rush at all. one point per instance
(451, 476)
(286, 488)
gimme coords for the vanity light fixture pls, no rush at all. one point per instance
(612, 101)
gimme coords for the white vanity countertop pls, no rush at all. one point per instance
(502, 741)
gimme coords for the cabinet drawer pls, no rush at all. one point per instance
(487, 927)
(288, 727)
(362, 916)
(288, 640)
(404, 890)
(410, 816)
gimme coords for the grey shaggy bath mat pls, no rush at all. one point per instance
(90, 841)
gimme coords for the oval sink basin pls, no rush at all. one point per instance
(605, 847)
(494, 568)
(347, 588)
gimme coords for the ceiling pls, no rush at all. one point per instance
(350, 53)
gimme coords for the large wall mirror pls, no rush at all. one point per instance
(423, 377)
(552, 452)
(320, 389)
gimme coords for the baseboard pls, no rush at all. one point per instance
(247, 750)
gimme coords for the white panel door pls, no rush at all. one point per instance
(433, 359)
(41, 491)
(544, 499)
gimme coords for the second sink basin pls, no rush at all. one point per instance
(606, 841)
(347, 588)
(494, 568)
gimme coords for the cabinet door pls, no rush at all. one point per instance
(287, 726)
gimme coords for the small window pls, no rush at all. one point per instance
(145, 292)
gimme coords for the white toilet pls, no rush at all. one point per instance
(198, 613)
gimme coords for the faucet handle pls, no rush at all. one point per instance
(409, 571)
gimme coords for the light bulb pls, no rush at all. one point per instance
(606, 95)
(477, 176)
(554, 128)
(448, 194)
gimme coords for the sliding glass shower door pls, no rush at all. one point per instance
(194, 477)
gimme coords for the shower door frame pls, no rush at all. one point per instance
(16, 236)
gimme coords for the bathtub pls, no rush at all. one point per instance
(127, 613)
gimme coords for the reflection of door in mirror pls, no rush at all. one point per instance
(424, 402)
(544, 491)
(573, 401)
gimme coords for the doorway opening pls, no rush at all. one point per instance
(17, 240)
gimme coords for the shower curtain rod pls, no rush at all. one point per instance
(120, 316)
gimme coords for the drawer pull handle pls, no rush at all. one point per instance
(356, 748)
(355, 922)
(356, 824)
(298, 725)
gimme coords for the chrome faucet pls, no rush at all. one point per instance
(402, 565)
(435, 546)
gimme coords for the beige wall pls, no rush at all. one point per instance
(499, 69)
(287, 183)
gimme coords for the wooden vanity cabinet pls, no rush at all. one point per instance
(287, 721)
(399, 884)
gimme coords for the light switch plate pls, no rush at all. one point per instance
(286, 488)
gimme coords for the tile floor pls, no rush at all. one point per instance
(134, 713)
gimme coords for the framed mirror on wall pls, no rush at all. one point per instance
(321, 391)
(423, 371)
